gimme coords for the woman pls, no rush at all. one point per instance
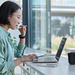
(10, 16)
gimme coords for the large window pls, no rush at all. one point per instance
(62, 23)
(39, 23)
(38, 26)
(63, 2)
(46, 30)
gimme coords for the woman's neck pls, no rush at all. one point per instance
(5, 26)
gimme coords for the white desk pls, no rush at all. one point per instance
(63, 67)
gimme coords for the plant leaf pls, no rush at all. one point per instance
(14, 37)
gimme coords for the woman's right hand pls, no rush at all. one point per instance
(29, 57)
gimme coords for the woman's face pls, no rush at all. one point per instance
(15, 19)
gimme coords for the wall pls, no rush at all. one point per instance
(1, 1)
(15, 33)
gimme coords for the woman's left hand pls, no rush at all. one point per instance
(22, 30)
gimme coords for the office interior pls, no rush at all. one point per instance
(47, 22)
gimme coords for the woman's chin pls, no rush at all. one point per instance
(13, 28)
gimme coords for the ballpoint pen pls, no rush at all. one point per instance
(20, 27)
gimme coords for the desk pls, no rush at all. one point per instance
(63, 67)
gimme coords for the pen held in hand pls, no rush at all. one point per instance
(20, 27)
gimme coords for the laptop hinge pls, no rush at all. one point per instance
(57, 58)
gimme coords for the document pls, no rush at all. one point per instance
(38, 54)
(48, 65)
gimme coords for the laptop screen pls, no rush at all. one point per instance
(61, 46)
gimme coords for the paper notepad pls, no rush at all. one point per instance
(48, 65)
(38, 54)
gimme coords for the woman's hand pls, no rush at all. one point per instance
(24, 59)
(29, 57)
(22, 30)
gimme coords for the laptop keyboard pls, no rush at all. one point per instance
(48, 58)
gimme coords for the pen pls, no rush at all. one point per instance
(41, 55)
(20, 27)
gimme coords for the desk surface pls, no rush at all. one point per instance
(63, 67)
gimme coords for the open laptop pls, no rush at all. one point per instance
(52, 59)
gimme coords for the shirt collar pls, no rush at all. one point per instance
(4, 31)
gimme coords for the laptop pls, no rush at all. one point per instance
(54, 58)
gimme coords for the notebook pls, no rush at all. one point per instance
(52, 59)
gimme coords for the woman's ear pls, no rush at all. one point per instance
(8, 17)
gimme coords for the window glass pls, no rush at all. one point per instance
(38, 24)
(62, 23)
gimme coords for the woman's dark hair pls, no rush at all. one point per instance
(6, 9)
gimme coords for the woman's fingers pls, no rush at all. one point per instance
(22, 30)
(34, 55)
(29, 57)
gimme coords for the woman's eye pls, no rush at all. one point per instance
(18, 17)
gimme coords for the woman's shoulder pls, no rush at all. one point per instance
(1, 34)
(2, 38)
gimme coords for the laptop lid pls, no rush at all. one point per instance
(61, 46)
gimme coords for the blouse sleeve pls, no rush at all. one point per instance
(4, 65)
(18, 51)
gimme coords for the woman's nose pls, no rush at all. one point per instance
(18, 22)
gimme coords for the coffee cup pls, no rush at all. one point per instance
(71, 58)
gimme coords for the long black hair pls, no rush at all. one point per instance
(6, 9)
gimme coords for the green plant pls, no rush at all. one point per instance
(14, 40)
(55, 42)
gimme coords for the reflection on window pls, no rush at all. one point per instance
(38, 26)
(58, 1)
(38, 2)
(63, 2)
(62, 23)
(62, 26)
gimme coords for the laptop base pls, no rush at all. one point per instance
(45, 59)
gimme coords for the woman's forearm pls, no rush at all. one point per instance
(27, 58)
(22, 36)
(22, 41)
(18, 61)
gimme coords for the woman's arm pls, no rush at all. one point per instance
(27, 58)
(22, 41)
(19, 50)
(17, 61)
(23, 32)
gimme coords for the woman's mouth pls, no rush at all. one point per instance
(16, 25)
